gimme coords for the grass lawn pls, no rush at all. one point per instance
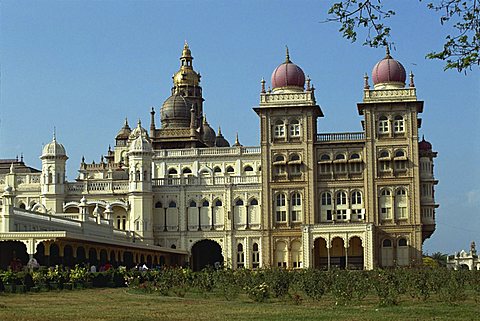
(131, 305)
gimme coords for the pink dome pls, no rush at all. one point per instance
(288, 75)
(388, 70)
(424, 145)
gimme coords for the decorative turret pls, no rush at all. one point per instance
(388, 73)
(208, 136)
(220, 141)
(52, 180)
(288, 76)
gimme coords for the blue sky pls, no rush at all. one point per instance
(83, 66)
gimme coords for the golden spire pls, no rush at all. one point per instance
(387, 50)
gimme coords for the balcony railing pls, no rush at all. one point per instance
(98, 187)
(337, 137)
(193, 180)
(199, 152)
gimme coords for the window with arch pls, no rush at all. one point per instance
(387, 252)
(384, 161)
(230, 169)
(326, 206)
(325, 157)
(22, 206)
(385, 204)
(383, 125)
(356, 198)
(253, 201)
(205, 203)
(279, 129)
(401, 203)
(172, 204)
(294, 157)
(186, 171)
(204, 172)
(240, 256)
(158, 204)
(341, 204)
(340, 164)
(356, 164)
(248, 168)
(255, 256)
(295, 164)
(279, 165)
(239, 202)
(400, 160)
(295, 128)
(297, 254)
(279, 158)
(280, 208)
(218, 203)
(217, 169)
(239, 214)
(296, 207)
(402, 252)
(325, 164)
(398, 124)
(192, 204)
(172, 172)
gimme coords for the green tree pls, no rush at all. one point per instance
(460, 50)
(440, 258)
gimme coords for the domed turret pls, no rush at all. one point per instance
(140, 144)
(288, 76)
(124, 132)
(186, 75)
(388, 73)
(424, 145)
(54, 149)
(139, 131)
(175, 112)
(220, 141)
(209, 135)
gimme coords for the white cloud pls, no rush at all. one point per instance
(473, 197)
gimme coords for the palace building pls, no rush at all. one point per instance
(180, 193)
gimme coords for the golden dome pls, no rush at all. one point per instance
(186, 77)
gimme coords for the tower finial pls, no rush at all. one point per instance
(287, 57)
(365, 82)
(54, 133)
(387, 51)
(219, 133)
(263, 85)
(412, 84)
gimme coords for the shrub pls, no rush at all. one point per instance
(258, 293)
(312, 282)
(278, 281)
(227, 282)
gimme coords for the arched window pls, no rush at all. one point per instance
(402, 252)
(326, 208)
(387, 253)
(240, 256)
(218, 203)
(297, 254)
(339, 156)
(341, 204)
(279, 158)
(400, 153)
(296, 208)
(248, 168)
(172, 204)
(230, 169)
(253, 201)
(255, 256)
(325, 157)
(217, 169)
(383, 125)
(22, 206)
(356, 198)
(385, 204)
(279, 164)
(186, 171)
(354, 156)
(173, 246)
(401, 203)
(340, 163)
(294, 157)
(204, 172)
(192, 204)
(239, 202)
(279, 129)
(398, 124)
(384, 154)
(158, 204)
(205, 203)
(341, 198)
(172, 171)
(295, 128)
(280, 208)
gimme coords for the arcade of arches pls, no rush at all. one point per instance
(71, 252)
(337, 254)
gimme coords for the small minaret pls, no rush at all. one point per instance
(52, 180)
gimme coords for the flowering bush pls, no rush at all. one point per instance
(258, 293)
